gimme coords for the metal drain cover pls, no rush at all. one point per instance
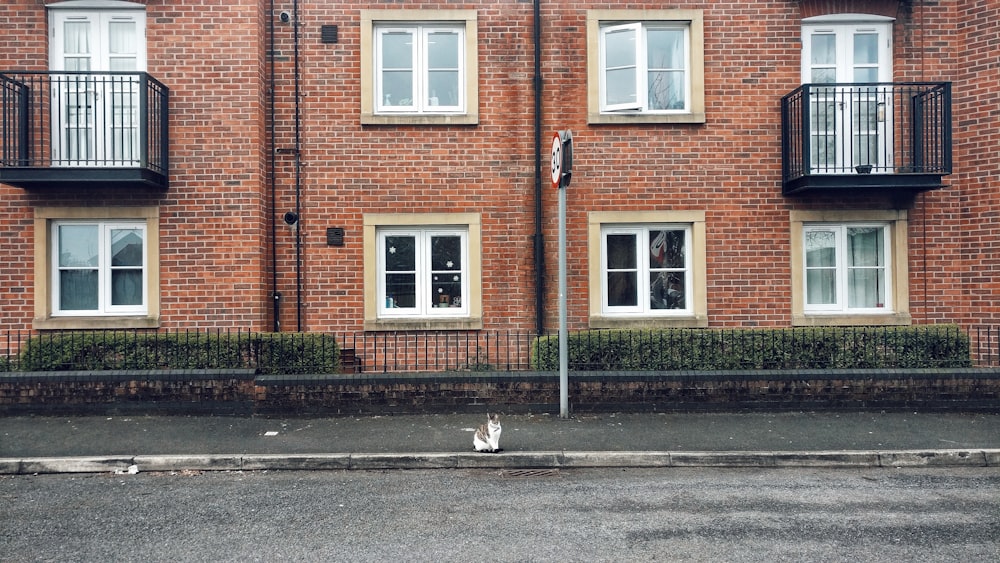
(529, 473)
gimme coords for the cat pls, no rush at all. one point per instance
(487, 437)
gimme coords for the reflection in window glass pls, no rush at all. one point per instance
(101, 268)
(658, 256)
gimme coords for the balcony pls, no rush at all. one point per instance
(877, 136)
(80, 129)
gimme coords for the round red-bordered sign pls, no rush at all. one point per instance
(557, 157)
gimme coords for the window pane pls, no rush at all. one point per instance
(864, 246)
(76, 38)
(866, 74)
(126, 247)
(78, 290)
(446, 265)
(821, 249)
(121, 37)
(397, 50)
(665, 49)
(666, 249)
(620, 87)
(126, 287)
(666, 90)
(823, 49)
(866, 288)
(621, 252)
(620, 67)
(823, 75)
(622, 290)
(442, 88)
(78, 246)
(400, 291)
(821, 267)
(666, 290)
(821, 287)
(865, 48)
(400, 254)
(619, 48)
(446, 289)
(446, 253)
(442, 50)
(397, 68)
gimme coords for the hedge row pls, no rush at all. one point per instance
(268, 353)
(926, 346)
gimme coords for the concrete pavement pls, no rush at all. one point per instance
(35, 444)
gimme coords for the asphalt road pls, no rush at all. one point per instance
(489, 515)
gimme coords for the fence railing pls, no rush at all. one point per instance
(871, 128)
(83, 120)
(474, 351)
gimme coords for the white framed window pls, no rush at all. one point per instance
(423, 272)
(646, 269)
(851, 119)
(847, 267)
(99, 115)
(645, 67)
(99, 268)
(419, 68)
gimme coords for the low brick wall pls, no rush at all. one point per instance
(242, 392)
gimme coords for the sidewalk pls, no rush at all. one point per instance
(170, 443)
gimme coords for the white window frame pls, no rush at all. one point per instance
(843, 269)
(104, 270)
(103, 127)
(896, 309)
(601, 21)
(374, 111)
(643, 306)
(640, 31)
(422, 99)
(425, 306)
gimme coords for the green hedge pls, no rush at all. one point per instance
(925, 346)
(268, 353)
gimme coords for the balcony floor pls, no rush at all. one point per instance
(69, 177)
(895, 182)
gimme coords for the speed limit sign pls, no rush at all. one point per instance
(557, 158)
(562, 158)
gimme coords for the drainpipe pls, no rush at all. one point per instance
(298, 176)
(272, 165)
(539, 245)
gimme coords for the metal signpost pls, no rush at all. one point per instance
(562, 164)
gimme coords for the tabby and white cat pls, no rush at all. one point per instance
(487, 437)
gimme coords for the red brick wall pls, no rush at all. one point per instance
(216, 217)
(977, 158)
(212, 219)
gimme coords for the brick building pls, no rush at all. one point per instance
(377, 166)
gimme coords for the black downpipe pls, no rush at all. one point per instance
(298, 177)
(539, 242)
(272, 164)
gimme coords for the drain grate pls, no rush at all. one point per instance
(524, 473)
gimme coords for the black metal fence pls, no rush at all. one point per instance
(494, 350)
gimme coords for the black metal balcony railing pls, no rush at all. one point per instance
(874, 135)
(69, 127)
